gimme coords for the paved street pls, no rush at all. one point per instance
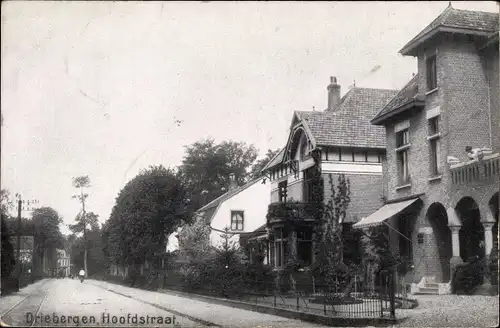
(68, 302)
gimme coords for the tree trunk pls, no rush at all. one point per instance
(85, 262)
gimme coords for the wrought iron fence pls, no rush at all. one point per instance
(361, 299)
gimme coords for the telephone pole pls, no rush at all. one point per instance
(21, 205)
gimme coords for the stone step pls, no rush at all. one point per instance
(431, 285)
(428, 290)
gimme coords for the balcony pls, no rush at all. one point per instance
(476, 171)
(293, 211)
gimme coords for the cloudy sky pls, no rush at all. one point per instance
(107, 88)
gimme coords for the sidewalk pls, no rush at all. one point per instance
(8, 301)
(218, 314)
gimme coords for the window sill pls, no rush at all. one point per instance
(435, 178)
(431, 91)
(405, 186)
(434, 136)
(402, 148)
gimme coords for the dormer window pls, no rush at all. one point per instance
(431, 72)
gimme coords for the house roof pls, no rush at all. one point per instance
(208, 211)
(406, 96)
(458, 21)
(349, 125)
(278, 158)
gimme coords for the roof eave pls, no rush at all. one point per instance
(382, 120)
(410, 48)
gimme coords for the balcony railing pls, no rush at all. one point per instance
(308, 211)
(487, 169)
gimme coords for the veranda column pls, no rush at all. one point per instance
(488, 238)
(455, 243)
(455, 240)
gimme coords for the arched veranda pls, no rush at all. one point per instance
(472, 232)
(438, 220)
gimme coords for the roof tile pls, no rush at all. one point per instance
(349, 125)
(462, 19)
(407, 94)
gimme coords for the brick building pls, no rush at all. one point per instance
(443, 200)
(339, 140)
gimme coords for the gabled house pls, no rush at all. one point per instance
(240, 212)
(339, 140)
(442, 172)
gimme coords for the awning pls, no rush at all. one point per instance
(384, 213)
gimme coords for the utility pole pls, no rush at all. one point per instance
(20, 208)
(84, 220)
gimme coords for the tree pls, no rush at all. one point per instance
(149, 208)
(47, 236)
(80, 183)
(5, 202)
(93, 244)
(206, 167)
(8, 259)
(331, 264)
(259, 165)
(91, 219)
(194, 241)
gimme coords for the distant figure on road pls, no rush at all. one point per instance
(82, 275)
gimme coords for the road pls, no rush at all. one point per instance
(67, 302)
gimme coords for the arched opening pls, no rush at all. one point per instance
(438, 219)
(494, 207)
(472, 231)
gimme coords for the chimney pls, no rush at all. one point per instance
(232, 182)
(333, 94)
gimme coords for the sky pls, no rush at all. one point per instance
(106, 89)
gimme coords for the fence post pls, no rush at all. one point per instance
(392, 301)
(298, 302)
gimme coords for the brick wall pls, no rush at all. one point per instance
(493, 61)
(469, 104)
(366, 194)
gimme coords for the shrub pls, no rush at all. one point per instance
(468, 276)
(493, 266)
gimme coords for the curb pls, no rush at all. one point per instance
(194, 319)
(291, 314)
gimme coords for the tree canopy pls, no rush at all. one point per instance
(261, 163)
(149, 208)
(206, 167)
(46, 222)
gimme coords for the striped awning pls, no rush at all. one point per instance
(384, 213)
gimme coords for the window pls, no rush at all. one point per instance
(402, 141)
(431, 73)
(346, 155)
(404, 177)
(308, 189)
(434, 126)
(304, 149)
(282, 192)
(304, 247)
(237, 220)
(280, 249)
(402, 138)
(373, 157)
(360, 156)
(434, 145)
